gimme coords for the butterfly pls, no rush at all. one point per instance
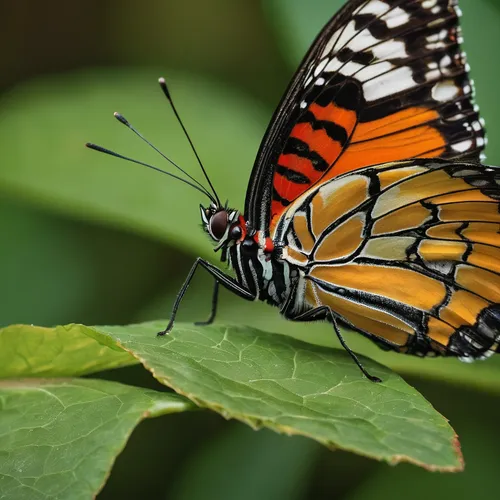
(367, 205)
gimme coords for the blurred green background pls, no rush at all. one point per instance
(87, 238)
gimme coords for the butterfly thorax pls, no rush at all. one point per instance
(254, 258)
(264, 273)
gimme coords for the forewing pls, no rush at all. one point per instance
(407, 253)
(385, 80)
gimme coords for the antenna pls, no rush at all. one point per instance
(100, 149)
(163, 85)
(125, 122)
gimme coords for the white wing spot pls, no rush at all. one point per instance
(362, 40)
(373, 7)
(346, 69)
(458, 116)
(320, 67)
(396, 17)
(390, 83)
(390, 49)
(445, 91)
(374, 71)
(462, 147)
(341, 37)
(476, 126)
(428, 4)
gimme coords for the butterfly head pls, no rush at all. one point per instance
(221, 223)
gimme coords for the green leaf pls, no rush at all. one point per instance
(297, 23)
(55, 352)
(59, 438)
(292, 387)
(57, 116)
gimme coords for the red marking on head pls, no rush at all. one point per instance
(243, 225)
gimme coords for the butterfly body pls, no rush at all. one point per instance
(257, 262)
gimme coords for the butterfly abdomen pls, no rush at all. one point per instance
(480, 340)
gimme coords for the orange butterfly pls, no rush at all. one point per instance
(367, 205)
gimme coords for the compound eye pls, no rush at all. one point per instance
(235, 233)
(218, 224)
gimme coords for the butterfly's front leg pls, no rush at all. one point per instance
(220, 277)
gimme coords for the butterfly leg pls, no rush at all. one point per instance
(373, 378)
(222, 278)
(215, 300)
(324, 312)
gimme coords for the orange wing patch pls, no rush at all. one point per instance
(336, 199)
(402, 135)
(400, 285)
(482, 232)
(436, 250)
(391, 176)
(406, 119)
(440, 332)
(412, 216)
(343, 241)
(346, 118)
(470, 211)
(480, 281)
(426, 142)
(463, 309)
(417, 188)
(485, 256)
(367, 319)
(476, 232)
(317, 140)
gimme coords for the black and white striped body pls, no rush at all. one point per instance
(265, 275)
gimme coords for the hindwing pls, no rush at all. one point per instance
(407, 253)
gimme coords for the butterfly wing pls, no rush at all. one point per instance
(385, 80)
(406, 253)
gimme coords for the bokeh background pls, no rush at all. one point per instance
(87, 238)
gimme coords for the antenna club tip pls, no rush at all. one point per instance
(163, 85)
(120, 118)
